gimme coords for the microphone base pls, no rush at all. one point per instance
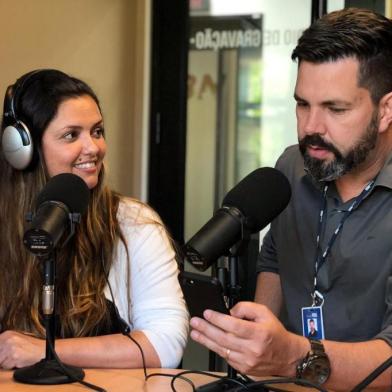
(227, 385)
(48, 372)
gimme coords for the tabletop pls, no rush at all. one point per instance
(124, 380)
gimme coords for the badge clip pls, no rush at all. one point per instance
(318, 298)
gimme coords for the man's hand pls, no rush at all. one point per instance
(252, 340)
(19, 350)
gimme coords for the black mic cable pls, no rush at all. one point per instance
(125, 328)
(373, 375)
(70, 375)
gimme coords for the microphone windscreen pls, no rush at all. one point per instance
(261, 196)
(68, 189)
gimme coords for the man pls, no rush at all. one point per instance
(312, 331)
(329, 254)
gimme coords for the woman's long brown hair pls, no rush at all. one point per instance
(80, 282)
(80, 300)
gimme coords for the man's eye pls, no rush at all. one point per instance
(337, 110)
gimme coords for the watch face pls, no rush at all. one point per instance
(317, 369)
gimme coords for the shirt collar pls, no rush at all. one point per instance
(384, 177)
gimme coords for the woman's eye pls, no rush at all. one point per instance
(98, 132)
(69, 135)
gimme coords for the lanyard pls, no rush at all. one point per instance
(321, 256)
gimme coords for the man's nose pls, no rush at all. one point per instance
(314, 122)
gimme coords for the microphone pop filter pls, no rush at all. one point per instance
(251, 205)
(260, 196)
(68, 189)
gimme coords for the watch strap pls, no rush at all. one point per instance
(316, 353)
(316, 347)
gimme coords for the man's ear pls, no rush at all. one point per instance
(385, 112)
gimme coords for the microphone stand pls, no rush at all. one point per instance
(50, 370)
(232, 381)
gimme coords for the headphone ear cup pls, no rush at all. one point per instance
(17, 145)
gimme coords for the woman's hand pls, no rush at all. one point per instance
(18, 350)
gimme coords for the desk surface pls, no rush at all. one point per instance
(122, 380)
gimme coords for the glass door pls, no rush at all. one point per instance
(240, 109)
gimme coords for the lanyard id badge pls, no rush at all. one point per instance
(312, 318)
(312, 322)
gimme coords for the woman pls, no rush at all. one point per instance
(117, 235)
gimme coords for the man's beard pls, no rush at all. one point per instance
(340, 165)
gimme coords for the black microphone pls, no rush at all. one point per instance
(60, 203)
(251, 205)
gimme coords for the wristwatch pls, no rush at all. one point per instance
(315, 366)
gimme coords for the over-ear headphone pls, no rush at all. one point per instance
(16, 141)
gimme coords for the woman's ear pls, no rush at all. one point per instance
(385, 112)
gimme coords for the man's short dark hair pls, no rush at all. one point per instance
(357, 33)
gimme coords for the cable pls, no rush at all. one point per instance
(71, 376)
(141, 353)
(373, 375)
(125, 328)
(189, 381)
(255, 384)
(298, 381)
(181, 376)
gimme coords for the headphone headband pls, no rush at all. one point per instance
(16, 140)
(15, 90)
